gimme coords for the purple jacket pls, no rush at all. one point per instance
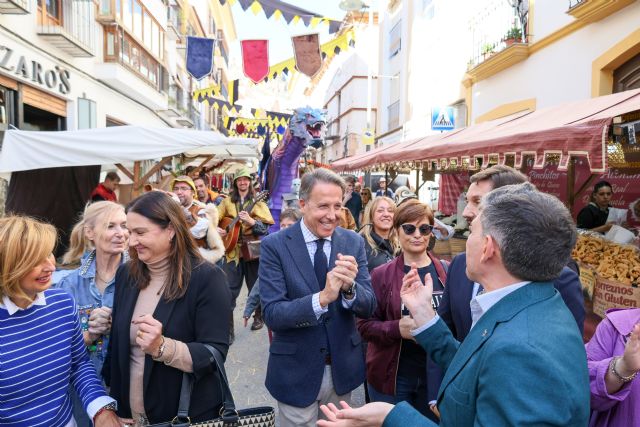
(620, 409)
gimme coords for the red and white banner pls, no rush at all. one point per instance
(255, 59)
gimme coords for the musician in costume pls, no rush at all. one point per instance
(253, 223)
(202, 219)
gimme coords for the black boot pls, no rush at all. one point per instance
(258, 323)
(232, 336)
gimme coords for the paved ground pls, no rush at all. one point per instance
(247, 364)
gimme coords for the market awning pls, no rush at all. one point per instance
(573, 129)
(27, 150)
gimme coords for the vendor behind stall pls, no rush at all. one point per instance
(594, 216)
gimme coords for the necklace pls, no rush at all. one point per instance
(102, 279)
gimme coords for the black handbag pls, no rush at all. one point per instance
(263, 416)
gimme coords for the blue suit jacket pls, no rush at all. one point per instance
(454, 307)
(301, 341)
(515, 368)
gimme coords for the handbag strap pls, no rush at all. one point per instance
(228, 412)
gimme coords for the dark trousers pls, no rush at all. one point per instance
(247, 271)
(413, 390)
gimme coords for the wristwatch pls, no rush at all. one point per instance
(351, 292)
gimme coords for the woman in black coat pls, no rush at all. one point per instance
(168, 304)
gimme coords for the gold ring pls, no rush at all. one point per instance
(140, 333)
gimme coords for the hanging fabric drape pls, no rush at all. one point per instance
(306, 51)
(199, 56)
(255, 59)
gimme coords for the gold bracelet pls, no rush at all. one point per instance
(612, 368)
(160, 349)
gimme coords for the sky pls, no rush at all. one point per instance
(278, 32)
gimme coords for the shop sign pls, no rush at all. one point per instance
(56, 78)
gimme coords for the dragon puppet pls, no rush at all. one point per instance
(306, 129)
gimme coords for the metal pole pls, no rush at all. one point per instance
(369, 72)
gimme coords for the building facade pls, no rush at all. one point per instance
(70, 64)
(570, 51)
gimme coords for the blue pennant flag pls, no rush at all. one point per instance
(199, 57)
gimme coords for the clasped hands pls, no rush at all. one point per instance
(340, 278)
(99, 324)
(417, 298)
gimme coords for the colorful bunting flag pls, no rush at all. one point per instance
(233, 91)
(306, 51)
(291, 14)
(255, 59)
(199, 57)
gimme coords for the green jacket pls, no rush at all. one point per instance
(522, 364)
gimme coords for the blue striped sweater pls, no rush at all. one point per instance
(41, 353)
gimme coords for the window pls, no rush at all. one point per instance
(137, 19)
(127, 17)
(155, 40)
(146, 27)
(395, 39)
(119, 9)
(393, 111)
(428, 9)
(53, 8)
(86, 113)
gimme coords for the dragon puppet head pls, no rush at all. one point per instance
(309, 123)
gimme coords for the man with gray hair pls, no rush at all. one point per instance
(523, 362)
(313, 281)
(460, 289)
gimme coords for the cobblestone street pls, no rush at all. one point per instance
(246, 364)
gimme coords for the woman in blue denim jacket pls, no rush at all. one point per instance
(100, 240)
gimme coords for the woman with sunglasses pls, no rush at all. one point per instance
(397, 367)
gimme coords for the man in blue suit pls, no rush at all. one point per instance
(523, 362)
(459, 290)
(313, 280)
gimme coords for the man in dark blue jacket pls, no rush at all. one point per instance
(459, 290)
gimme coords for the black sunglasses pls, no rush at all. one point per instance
(424, 229)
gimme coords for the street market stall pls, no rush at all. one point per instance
(564, 150)
(52, 173)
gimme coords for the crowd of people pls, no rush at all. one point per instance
(349, 290)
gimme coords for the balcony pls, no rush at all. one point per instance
(595, 10)
(68, 25)
(499, 39)
(132, 68)
(14, 7)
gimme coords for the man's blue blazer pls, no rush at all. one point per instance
(301, 342)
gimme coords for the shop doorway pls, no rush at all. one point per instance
(40, 120)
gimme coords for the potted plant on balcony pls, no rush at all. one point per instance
(514, 35)
(487, 50)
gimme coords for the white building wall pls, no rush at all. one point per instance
(559, 73)
(548, 16)
(21, 36)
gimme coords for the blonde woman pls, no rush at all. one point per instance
(381, 243)
(42, 353)
(99, 243)
(367, 198)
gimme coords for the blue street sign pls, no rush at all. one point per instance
(442, 118)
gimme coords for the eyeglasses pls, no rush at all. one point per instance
(424, 229)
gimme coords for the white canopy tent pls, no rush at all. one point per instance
(28, 150)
